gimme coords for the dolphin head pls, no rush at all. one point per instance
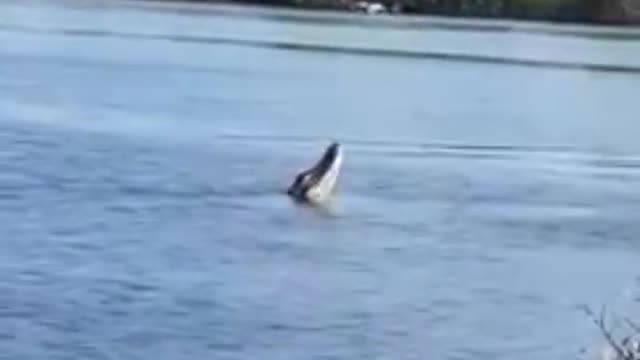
(317, 183)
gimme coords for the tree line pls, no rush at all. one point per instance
(590, 11)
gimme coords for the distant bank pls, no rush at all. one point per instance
(621, 12)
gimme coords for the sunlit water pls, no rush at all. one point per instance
(488, 189)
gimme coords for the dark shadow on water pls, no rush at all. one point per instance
(336, 49)
(404, 147)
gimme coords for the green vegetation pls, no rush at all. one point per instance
(592, 11)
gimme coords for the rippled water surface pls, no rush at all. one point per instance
(491, 184)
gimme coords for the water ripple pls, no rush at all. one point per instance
(335, 49)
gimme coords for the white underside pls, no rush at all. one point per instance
(323, 189)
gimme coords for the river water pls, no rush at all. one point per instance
(491, 184)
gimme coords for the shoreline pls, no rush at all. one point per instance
(612, 13)
(332, 17)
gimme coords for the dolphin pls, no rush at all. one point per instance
(316, 184)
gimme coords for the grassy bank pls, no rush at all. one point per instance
(585, 11)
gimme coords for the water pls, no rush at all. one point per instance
(489, 188)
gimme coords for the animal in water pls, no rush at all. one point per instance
(315, 185)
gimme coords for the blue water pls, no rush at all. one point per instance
(145, 148)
